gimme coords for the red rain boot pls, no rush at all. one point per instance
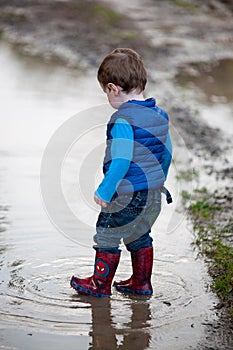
(98, 285)
(139, 282)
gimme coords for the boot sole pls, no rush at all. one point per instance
(85, 291)
(133, 291)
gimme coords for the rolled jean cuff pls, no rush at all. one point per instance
(114, 250)
(145, 241)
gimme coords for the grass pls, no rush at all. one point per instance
(222, 256)
(11, 16)
(128, 36)
(185, 4)
(210, 239)
(186, 196)
(106, 14)
(187, 175)
(203, 209)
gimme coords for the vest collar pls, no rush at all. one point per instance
(149, 102)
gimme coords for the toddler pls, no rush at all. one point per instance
(136, 163)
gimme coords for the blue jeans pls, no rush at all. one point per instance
(128, 217)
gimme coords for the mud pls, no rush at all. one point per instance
(173, 38)
(78, 33)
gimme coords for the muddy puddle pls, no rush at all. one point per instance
(37, 307)
(210, 87)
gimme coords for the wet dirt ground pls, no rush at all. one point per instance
(173, 39)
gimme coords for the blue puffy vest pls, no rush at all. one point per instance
(150, 127)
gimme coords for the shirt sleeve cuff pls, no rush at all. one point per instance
(101, 197)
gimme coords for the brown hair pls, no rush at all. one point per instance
(125, 68)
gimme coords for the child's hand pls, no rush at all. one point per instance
(100, 202)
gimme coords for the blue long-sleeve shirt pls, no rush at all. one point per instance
(121, 155)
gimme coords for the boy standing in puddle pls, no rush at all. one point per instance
(136, 163)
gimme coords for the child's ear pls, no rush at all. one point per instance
(114, 88)
(110, 86)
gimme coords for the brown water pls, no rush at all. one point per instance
(213, 79)
(38, 310)
(210, 87)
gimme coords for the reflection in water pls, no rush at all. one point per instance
(105, 331)
(139, 337)
(215, 80)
